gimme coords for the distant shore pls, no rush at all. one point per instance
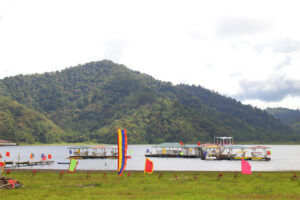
(92, 143)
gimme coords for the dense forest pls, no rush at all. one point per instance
(22, 124)
(288, 116)
(89, 102)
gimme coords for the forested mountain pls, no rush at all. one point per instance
(89, 102)
(21, 124)
(288, 116)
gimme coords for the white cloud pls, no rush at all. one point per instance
(216, 44)
(238, 26)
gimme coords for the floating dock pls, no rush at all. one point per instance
(7, 143)
(95, 152)
(12, 164)
(223, 148)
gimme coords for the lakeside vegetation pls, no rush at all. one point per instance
(159, 185)
(93, 143)
(88, 103)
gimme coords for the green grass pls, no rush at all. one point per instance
(189, 185)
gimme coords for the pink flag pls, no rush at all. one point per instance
(246, 167)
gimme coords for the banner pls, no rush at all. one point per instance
(73, 165)
(122, 150)
(246, 167)
(148, 166)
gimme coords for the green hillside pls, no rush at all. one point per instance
(91, 101)
(21, 124)
(288, 116)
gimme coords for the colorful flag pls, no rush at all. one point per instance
(246, 167)
(73, 165)
(122, 150)
(148, 166)
(2, 165)
(181, 143)
(199, 143)
(31, 156)
(44, 157)
(7, 154)
(49, 156)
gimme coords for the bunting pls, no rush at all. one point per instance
(122, 150)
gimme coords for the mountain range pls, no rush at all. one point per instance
(288, 116)
(90, 102)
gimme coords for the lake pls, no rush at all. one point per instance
(284, 158)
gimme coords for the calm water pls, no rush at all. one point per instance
(284, 157)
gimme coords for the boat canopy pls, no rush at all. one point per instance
(209, 145)
(191, 146)
(258, 147)
(168, 145)
(100, 147)
(235, 147)
(224, 138)
(241, 152)
(79, 147)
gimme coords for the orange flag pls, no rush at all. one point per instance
(148, 166)
(49, 156)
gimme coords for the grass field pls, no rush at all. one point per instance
(159, 185)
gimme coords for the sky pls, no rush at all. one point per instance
(248, 50)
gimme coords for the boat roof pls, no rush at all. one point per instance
(100, 147)
(191, 146)
(258, 147)
(209, 145)
(235, 147)
(168, 145)
(6, 141)
(241, 151)
(79, 147)
(224, 137)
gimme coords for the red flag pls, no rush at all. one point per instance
(246, 167)
(199, 143)
(7, 154)
(44, 157)
(181, 143)
(268, 153)
(2, 164)
(148, 166)
(49, 156)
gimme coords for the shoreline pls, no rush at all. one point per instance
(83, 144)
(170, 171)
